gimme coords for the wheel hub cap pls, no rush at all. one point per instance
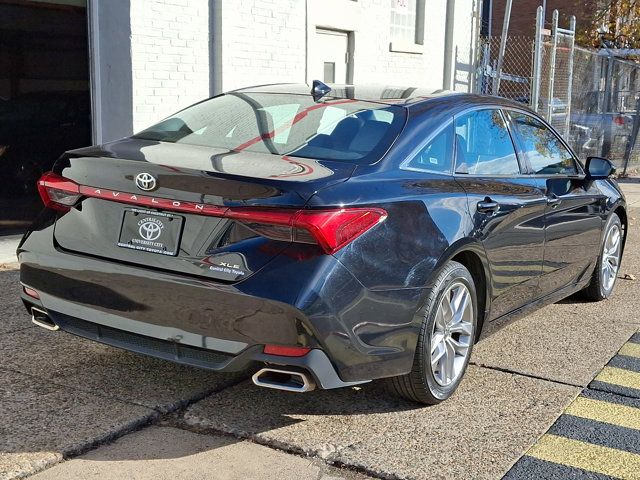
(611, 257)
(452, 334)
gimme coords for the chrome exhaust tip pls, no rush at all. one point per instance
(288, 380)
(42, 319)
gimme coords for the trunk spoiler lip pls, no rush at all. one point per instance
(304, 189)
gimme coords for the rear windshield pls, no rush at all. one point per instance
(286, 125)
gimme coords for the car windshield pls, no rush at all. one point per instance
(286, 125)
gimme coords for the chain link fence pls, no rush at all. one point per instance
(605, 116)
(517, 68)
(591, 97)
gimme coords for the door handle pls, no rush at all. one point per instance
(553, 200)
(488, 206)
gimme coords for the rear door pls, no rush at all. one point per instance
(574, 206)
(507, 207)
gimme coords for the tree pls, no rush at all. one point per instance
(614, 23)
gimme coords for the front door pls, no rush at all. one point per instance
(332, 57)
(507, 208)
(574, 206)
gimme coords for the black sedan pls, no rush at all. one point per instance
(326, 238)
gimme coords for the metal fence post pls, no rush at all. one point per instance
(503, 46)
(608, 93)
(572, 27)
(631, 143)
(552, 69)
(537, 60)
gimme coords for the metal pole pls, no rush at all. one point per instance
(631, 143)
(503, 46)
(483, 84)
(572, 27)
(607, 134)
(537, 60)
(475, 54)
(552, 69)
(448, 73)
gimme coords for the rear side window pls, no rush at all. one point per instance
(286, 125)
(541, 147)
(483, 145)
(436, 155)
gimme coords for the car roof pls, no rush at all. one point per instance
(410, 97)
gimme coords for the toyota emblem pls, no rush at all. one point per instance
(146, 181)
(150, 230)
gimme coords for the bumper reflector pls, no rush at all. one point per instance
(30, 292)
(285, 351)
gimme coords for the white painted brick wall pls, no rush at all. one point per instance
(169, 57)
(263, 41)
(266, 41)
(376, 64)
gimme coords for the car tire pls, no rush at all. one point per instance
(602, 283)
(430, 383)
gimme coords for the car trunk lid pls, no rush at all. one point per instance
(194, 186)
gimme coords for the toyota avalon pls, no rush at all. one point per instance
(324, 238)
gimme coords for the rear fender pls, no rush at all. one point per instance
(474, 247)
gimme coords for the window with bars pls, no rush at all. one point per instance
(407, 20)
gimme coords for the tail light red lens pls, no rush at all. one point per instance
(331, 229)
(285, 351)
(58, 192)
(618, 120)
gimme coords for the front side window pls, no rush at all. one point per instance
(483, 145)
(541, 147)
(286, 124)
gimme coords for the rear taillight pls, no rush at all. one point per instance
(330, 229)
(618, 120)
(58, 192)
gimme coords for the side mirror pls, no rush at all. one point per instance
(599, 168)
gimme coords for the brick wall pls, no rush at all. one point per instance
(263, 41)
(169, 57)
(523, 15)
(375, 63)
(266, 41)
(270, 41)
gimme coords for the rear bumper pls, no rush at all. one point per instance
(315, 362)
(355, 334)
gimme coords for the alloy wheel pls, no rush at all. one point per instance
(452, 334)
(611, 256)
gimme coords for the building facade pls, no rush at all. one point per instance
(158, 56)
(76, 72)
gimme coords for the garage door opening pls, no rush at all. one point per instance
(45, 105)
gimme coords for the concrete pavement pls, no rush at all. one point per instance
(62, 397)
(599, 433)
(631, 188)
(8, 245)
(168, 453)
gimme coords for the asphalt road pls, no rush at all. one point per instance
(555, 394)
